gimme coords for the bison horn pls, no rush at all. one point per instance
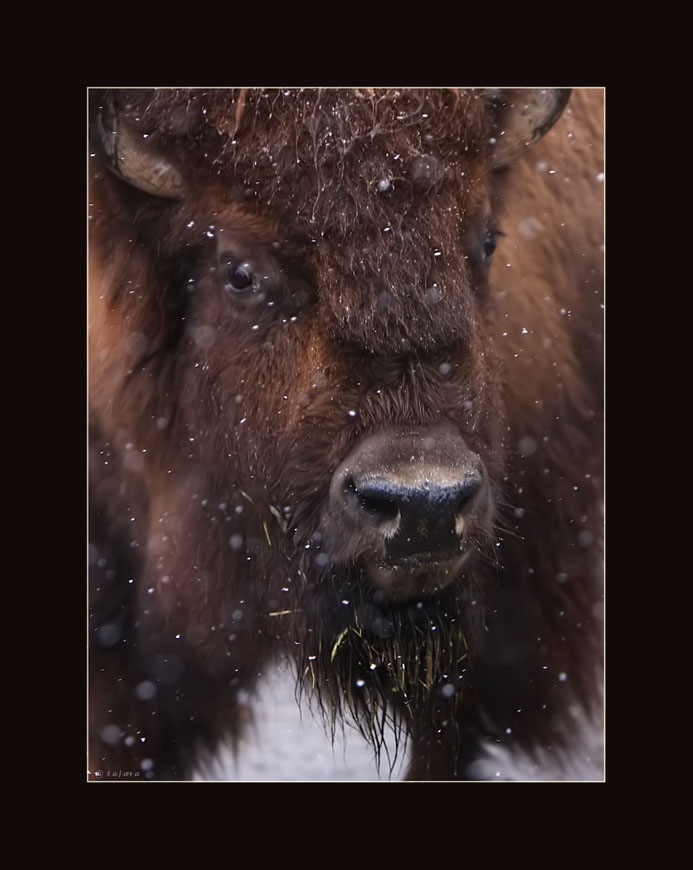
(528, 115)
(133, 162)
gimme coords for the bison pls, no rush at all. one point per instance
(345, 402)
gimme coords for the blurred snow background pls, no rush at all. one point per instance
(286, 743)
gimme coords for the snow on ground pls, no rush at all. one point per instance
(288, 744)
(585, 763)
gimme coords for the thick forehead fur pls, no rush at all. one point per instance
(382, 184)
(322, 159)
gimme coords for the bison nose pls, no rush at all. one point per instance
(406, 505)
(424, 517)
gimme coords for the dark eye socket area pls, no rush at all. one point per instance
(489, 242)
(239, 277)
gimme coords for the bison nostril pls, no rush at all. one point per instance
(468, 492)
(370, 498)
(378, 505)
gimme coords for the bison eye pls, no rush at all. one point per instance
(238, 277)
(489, 243)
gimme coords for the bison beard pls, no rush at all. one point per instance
(317, 429)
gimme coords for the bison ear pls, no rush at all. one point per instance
(527, 115)
(129, 157)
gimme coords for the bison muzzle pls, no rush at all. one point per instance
(404, 504)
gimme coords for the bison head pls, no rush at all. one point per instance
(293, 372)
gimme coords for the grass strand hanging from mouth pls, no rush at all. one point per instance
(337, 644)
(378, 680)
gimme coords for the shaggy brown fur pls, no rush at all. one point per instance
(218, 421)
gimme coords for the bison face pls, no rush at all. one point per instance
(312, 391)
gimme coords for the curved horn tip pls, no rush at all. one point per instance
(527, 119)
(130, 160)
